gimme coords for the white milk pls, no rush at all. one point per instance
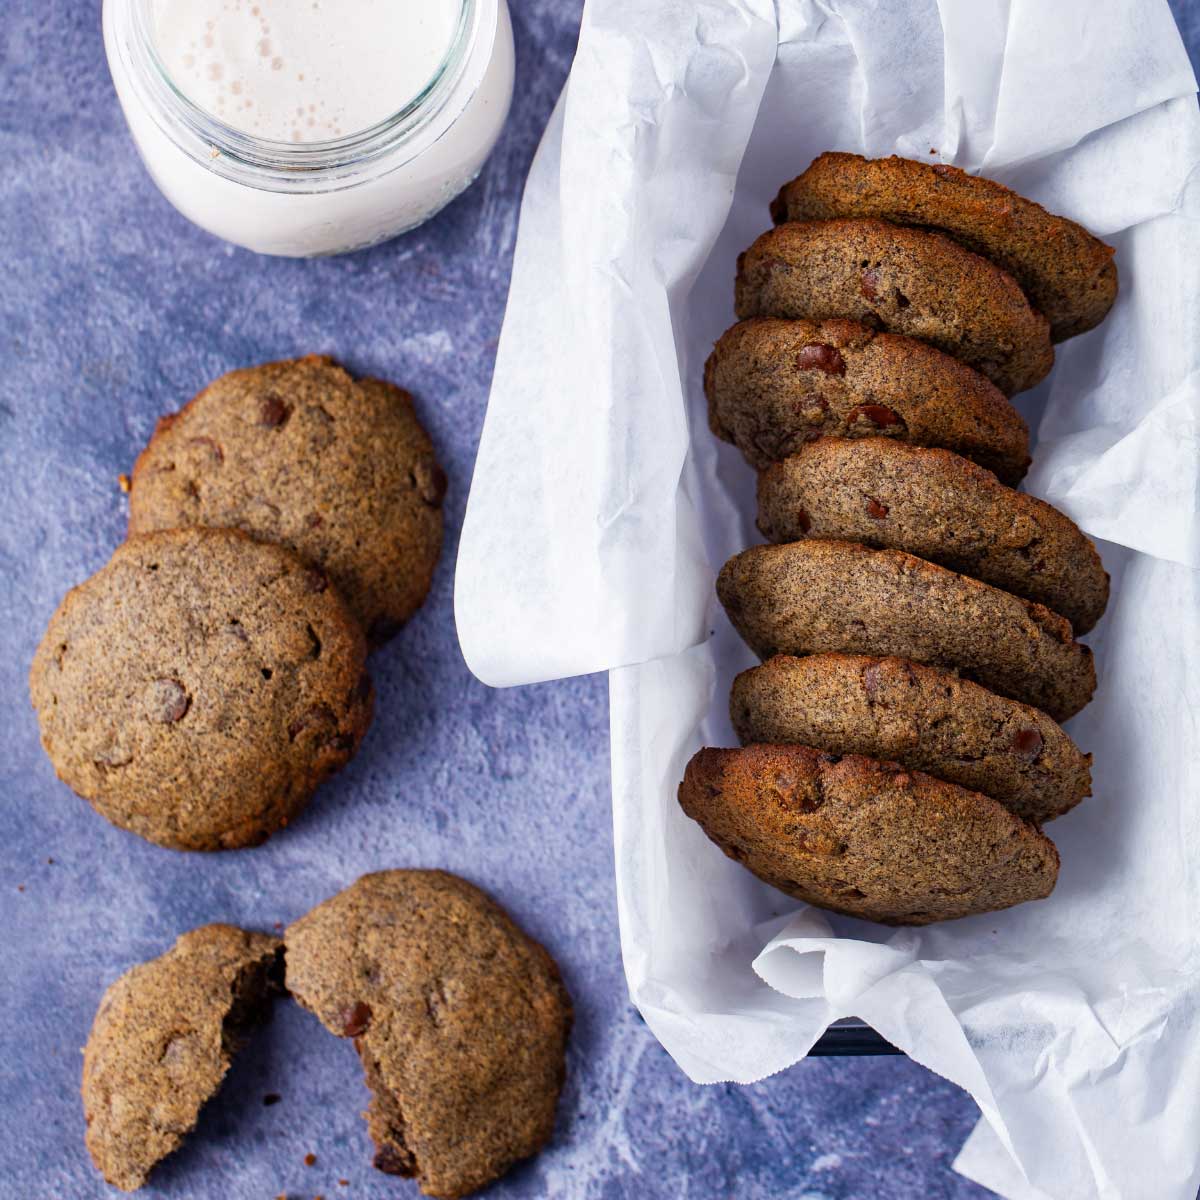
(305, 127)
(302, 70)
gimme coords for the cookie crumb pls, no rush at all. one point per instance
(124, 483)
(309, 1159)
(343, 1183)
(20, 887)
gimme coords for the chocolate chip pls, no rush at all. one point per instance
(877, 414)
(1027, 743)
(875, 510)
(430, 481)
(817, 356)
(871, 681)
(356, 1019)
(869, 284)
(167, 701)
(797, 795)
(211, 445)
(273, 413)
(803, 520)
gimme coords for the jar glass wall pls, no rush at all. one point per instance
(318, 197)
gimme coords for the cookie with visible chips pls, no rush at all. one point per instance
(925, 718)
(163, 1039)
(824, 595)
(298, 452)
(774, 384)
(460, 1020)
(904, 280)
(1068, 275)
(866, 838)
(199, 687)
(939, 507)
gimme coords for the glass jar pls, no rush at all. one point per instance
(323, 197)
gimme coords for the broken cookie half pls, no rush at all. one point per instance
(460, 1020)
(162, 1040)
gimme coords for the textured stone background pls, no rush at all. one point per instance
(116, 310)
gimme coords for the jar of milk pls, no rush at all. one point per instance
(306, 127)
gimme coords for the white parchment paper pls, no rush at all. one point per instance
(601, 509)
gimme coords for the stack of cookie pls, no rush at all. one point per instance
(201, 685)
(916, 615)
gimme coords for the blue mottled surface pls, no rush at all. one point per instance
(115, 310)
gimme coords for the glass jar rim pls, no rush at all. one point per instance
(280, 165)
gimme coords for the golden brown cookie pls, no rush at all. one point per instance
(459, 1018)
(1068, 274)
(815, 596)
(940, 507)
(337, 469)
(163, 1039)
(866, 838)
(199, 687)
(924, 718)
(773, 385)
(903, 280)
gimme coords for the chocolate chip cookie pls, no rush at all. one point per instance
(773, 385)
(925, 718)
(337, 469)
(937, 506)
(903, 280)
(866, 838)
(814, 596)
(162, 1041)
(459, 1018)
(199, 687)
(1068, 274)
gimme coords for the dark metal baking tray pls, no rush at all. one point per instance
(851, 1037)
